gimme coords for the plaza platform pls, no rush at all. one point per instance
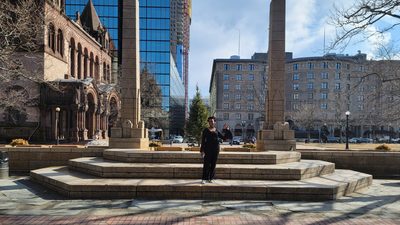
(141, 174)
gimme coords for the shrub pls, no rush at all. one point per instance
(18, 142)
(383, 147)
(249, 146)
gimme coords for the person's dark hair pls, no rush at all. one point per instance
(211, 118)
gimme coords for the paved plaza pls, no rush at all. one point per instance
(25, 202)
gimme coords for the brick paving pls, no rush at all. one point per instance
(173, 220)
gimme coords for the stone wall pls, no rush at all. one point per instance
(24, 159)
(378, 164)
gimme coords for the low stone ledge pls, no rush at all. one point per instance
(24, 159)
(379, 164)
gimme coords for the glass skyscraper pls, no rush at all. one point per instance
(159, 55)
(107, 11)
(161, 48)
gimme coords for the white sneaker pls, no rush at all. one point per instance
(203, 181)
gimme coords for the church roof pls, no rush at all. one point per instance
(89, 18)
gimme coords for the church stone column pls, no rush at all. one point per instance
(130, 131)
(276, 134)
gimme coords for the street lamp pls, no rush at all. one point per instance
(243, 125)
(57, 130)
(347, 129)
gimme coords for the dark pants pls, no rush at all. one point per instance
(210, 161)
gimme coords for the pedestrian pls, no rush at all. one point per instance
(209, 149)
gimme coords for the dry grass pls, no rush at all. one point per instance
(333, 146)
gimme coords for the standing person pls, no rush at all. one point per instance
(210, 149)
(227, 133)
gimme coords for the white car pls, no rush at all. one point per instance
(177, 139)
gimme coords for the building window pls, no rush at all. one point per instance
(324, 95)
(226, 86)
(296, 96)
(324, 75)
(238, 106)
(250, 107)
(226, 116)
(51, 37)
(348, 77)
(325, 65)
(237, 86)
(238, 116)
(295, 67)
(226, 77)
(238, 77)
(238, 97)
(360, 107)
(251, 77)
(324, 106)
(60, 42)
(310, 65)
(337, 86)
(249, 87)
(295, 106)
(310, 95)
(348, 66)
(310, 86)
(338, 66)
(250, 96)
(251, 67)
(250, 116)
(296, 76)
(348, 87)
(337, 76)
(324, 85)
(226, 105)
(360, 98)
(295, 87)
(226, 96)
(238, 67)
(310, 76)
(226, 66)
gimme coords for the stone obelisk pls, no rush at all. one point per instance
(276, 134)
(130, 131)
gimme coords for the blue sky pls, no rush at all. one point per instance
(216, 24)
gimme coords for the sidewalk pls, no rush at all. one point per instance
(24, 202)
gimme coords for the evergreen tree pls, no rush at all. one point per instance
(197, 117)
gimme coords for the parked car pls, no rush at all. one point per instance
(331, 139)
(236, 140)
(177, 139)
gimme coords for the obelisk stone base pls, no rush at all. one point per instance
(127, 136)
(281, 138)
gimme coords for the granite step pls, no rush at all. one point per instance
(145, 156)
(74, 184)
(285, 171)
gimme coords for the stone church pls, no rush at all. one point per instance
(75, 97)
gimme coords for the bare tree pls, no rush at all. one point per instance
(151, 102)
(362, 15)
(21, 37)
(360, 19)
(308, 116)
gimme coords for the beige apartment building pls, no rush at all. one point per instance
(237, 93)
(319, 88)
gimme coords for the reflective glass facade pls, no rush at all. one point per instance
(107, 11)
(162, 57)
(157, 55)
